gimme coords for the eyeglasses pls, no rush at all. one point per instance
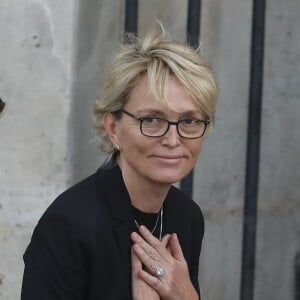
(189, 128)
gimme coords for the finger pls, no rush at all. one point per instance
(176, 248)
(136, 238)
(157, 253)
(149, 250)
(168, 249)
(150, 262)
(136, 264)
(165, 240)
(155, 283)
(148, 236)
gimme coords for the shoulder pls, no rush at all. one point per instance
(75, 217)
(87, 195)
(183, 203)
(83, 205)
(181, 207)
(76, 200)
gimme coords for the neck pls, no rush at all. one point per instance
(145, 195)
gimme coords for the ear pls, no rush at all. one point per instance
(110, 125)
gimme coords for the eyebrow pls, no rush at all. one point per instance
(150, 112)
(161, 113)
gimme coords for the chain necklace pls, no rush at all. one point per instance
(159, 216)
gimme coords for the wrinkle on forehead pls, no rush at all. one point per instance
(167, 103)
(178, 101)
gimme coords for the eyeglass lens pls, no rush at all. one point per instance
(186, 128)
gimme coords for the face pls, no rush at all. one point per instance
(160, 160)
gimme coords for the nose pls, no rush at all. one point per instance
(171, 138)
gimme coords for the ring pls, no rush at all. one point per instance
(159, 271)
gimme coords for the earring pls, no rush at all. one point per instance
(117, 147)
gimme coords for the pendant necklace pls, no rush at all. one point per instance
(159, 217)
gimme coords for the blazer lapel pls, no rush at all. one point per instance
(122, 215)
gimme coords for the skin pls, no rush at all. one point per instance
(141, 289)
(175, 283)
(149, 166)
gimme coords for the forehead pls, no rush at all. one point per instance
(178, 99)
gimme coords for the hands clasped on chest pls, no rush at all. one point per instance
(165, 274)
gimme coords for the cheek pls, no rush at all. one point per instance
(132, 142)
(195, 147)
(127, 133)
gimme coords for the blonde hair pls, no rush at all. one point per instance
(158, 57)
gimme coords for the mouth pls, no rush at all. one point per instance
(169, 158)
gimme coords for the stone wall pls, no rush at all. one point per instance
(53, 58)
(35, 82)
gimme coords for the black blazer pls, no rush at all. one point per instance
(80, 248)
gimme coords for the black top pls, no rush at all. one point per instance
(80, 248)
(153, 221)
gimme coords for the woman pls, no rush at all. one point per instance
(125, 232)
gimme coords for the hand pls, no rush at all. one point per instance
(140, 289)
(175, 283)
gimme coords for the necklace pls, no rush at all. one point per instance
(159, 216)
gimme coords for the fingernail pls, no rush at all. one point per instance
(134, 235)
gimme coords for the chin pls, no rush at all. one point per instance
(170, 177)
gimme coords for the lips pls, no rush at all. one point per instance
(169, 157)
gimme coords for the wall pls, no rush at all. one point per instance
(35, 82)
(52, 64)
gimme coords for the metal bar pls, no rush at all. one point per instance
(131, 12)
(297, 277)
(2, 105)
(193, 22)
(193, 35)
(253, 148)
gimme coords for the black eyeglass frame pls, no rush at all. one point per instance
(141, 119)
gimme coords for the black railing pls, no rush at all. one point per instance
(131, 17)
(253, 148)
(193, 36)
(297, 277)
(2, 105)
(193, 22)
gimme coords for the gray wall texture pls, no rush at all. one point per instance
(53, 60)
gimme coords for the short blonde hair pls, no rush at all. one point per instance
(158, 57)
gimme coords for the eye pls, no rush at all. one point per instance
(189, 122)
(151, 120)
